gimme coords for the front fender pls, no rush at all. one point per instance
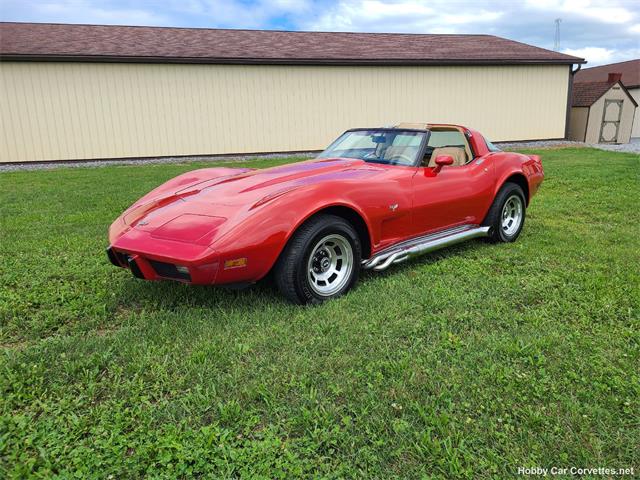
(262, 235)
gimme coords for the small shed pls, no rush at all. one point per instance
(630, 70)
(602, 112)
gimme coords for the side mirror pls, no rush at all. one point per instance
(441, 161)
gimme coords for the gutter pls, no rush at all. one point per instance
(17, 57)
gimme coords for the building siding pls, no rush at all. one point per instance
(65, 111)
(578, 123)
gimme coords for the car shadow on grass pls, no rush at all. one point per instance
(427, 259)
(169, 295)
(140, 295)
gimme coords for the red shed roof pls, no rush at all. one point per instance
(45, 41)
(630, 71)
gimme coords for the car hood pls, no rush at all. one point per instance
(188, 212)
(251, 186)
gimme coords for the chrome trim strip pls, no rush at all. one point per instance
(424, 244)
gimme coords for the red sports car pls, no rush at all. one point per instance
(375, 197)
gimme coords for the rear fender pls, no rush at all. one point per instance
(522, 169)
(515, 176)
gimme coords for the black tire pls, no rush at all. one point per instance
(510, 192)
(291, 273)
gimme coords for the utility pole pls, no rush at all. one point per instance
(556, 42)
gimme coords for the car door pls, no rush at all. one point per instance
(453, 196)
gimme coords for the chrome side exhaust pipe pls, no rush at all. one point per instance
(425, 244)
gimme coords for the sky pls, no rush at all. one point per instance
(600, 31)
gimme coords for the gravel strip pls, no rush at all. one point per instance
(149, 161)
(633, 147)
(539, 144)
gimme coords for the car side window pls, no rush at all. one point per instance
(447, 142)
(446, 138)
(491, 146)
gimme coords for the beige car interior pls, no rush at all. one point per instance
(457, 153)
(402, 155)
(461, 154)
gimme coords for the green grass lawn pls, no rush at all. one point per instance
(465, 363)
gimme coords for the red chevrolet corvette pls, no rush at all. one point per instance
(375, 197)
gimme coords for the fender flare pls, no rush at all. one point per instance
(519, 178)
(320, 208)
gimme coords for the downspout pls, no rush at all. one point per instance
(567, 119)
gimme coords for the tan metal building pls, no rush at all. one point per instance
(602, 112)
(84, 92)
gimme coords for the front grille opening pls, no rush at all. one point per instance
(118, 259)
(168, 270)
(123, 258)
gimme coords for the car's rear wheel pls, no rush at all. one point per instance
(506, 215)
(320, 262)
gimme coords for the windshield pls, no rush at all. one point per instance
(391, 147)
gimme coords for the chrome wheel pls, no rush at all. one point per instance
(330, 265)
(512, 215)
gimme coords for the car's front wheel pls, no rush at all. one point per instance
(320, 262)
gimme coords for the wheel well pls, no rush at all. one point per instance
(354, 219)
(520, 180)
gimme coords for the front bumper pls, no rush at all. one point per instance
(148, 267)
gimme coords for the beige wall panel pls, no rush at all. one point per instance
(578, 123)
(626, 119)
(635, 131)
(52, 111)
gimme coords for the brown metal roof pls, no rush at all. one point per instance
(585, 94)
(630, 71)
(40, 41)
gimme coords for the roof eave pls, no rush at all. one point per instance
(282, 61)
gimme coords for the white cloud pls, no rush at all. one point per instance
(468, 18)
(601, 56)
(591, 54)
(607, 11)
(415, 16)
